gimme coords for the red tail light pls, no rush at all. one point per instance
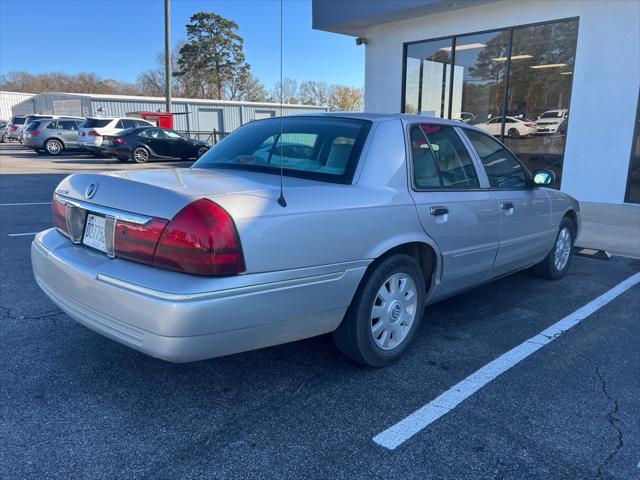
(118, 140)
(59, 212)
(201, 239)
(93, 133)
(14, 128)
(35, 133)
(138, 242)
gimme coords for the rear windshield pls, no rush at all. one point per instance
(319, 148)
(551, 115)
(95, 123)
(18, 121)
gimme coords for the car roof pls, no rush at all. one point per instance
(381, 117)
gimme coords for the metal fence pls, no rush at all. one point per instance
(210, 137)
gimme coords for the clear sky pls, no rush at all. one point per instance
(119, 39)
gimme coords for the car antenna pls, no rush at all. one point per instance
(281, 200)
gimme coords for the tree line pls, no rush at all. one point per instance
(209, 64)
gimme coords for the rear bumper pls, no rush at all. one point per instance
(36, 144)
(120, 153)
(180, 318)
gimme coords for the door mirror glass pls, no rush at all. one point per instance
(544, 177)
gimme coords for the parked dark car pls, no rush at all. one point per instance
(144, 143)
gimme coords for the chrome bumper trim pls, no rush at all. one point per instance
(106, 211)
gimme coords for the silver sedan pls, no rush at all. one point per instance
(299, 226)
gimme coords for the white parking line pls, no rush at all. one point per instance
(399, 433)
(22, 234)
(23, 204)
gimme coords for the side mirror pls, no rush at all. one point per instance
(544, 177)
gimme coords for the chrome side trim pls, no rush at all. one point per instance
(106, 211)
(229, 292)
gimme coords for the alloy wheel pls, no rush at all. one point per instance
(140, 155)
(54, 147)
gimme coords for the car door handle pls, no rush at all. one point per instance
(437, 211)
(506, 205)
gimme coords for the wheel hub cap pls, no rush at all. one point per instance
(393, 311)
(562, 249)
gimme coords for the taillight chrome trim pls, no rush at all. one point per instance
(106, 211)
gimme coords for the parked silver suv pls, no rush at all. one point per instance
(52, 135)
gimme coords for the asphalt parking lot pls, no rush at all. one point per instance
(75, 404)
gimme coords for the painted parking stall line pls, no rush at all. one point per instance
(23, 234)
(402, 431)
(23, 204)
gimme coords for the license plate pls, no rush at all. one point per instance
(94, 233)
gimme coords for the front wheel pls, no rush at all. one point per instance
(54, 147)
(140, 155)
(556, 263)
(202, 151)
(385, 312)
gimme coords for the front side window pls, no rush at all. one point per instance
(503, 168)
(440, 159)
(325, 149)
(173, 135)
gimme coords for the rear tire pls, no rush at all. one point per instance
(140, 155)
(556, 264)
(3, 139)
(513, 133)
(385, 313)
(54, 147)
(202, 151)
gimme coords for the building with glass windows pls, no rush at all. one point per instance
(557, 81)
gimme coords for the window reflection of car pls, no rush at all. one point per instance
(513, 127)
(550, 120)
(465, 117)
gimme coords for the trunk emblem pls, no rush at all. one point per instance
(91, 190)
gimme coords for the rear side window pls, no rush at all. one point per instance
(96, 123)
(67, 125)
(18, 121)
(440, 159)
(503, 168)
(152, 133)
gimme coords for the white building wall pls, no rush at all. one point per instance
(8, 100)
(606, 78)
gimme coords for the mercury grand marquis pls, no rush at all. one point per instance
(300, 226)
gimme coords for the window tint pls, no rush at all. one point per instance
(67, 125)
(172, 134)
(152, 133)
(140, 123)
(453, 163)
(120, 124)
(128, 123)
(96, 123)
(34, 126)
(503, 168)
(318, 148)
(18, 120)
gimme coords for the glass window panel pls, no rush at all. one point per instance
(503, 169)
(539, 91)
(428, 71)
(454, 162)
(633, 181)
(479, 76)
(425, 171)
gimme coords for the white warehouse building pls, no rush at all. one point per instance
(569, 69)
(191, 115)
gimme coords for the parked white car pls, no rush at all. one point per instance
(550, 120)
(513, 127)
(94, 129)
